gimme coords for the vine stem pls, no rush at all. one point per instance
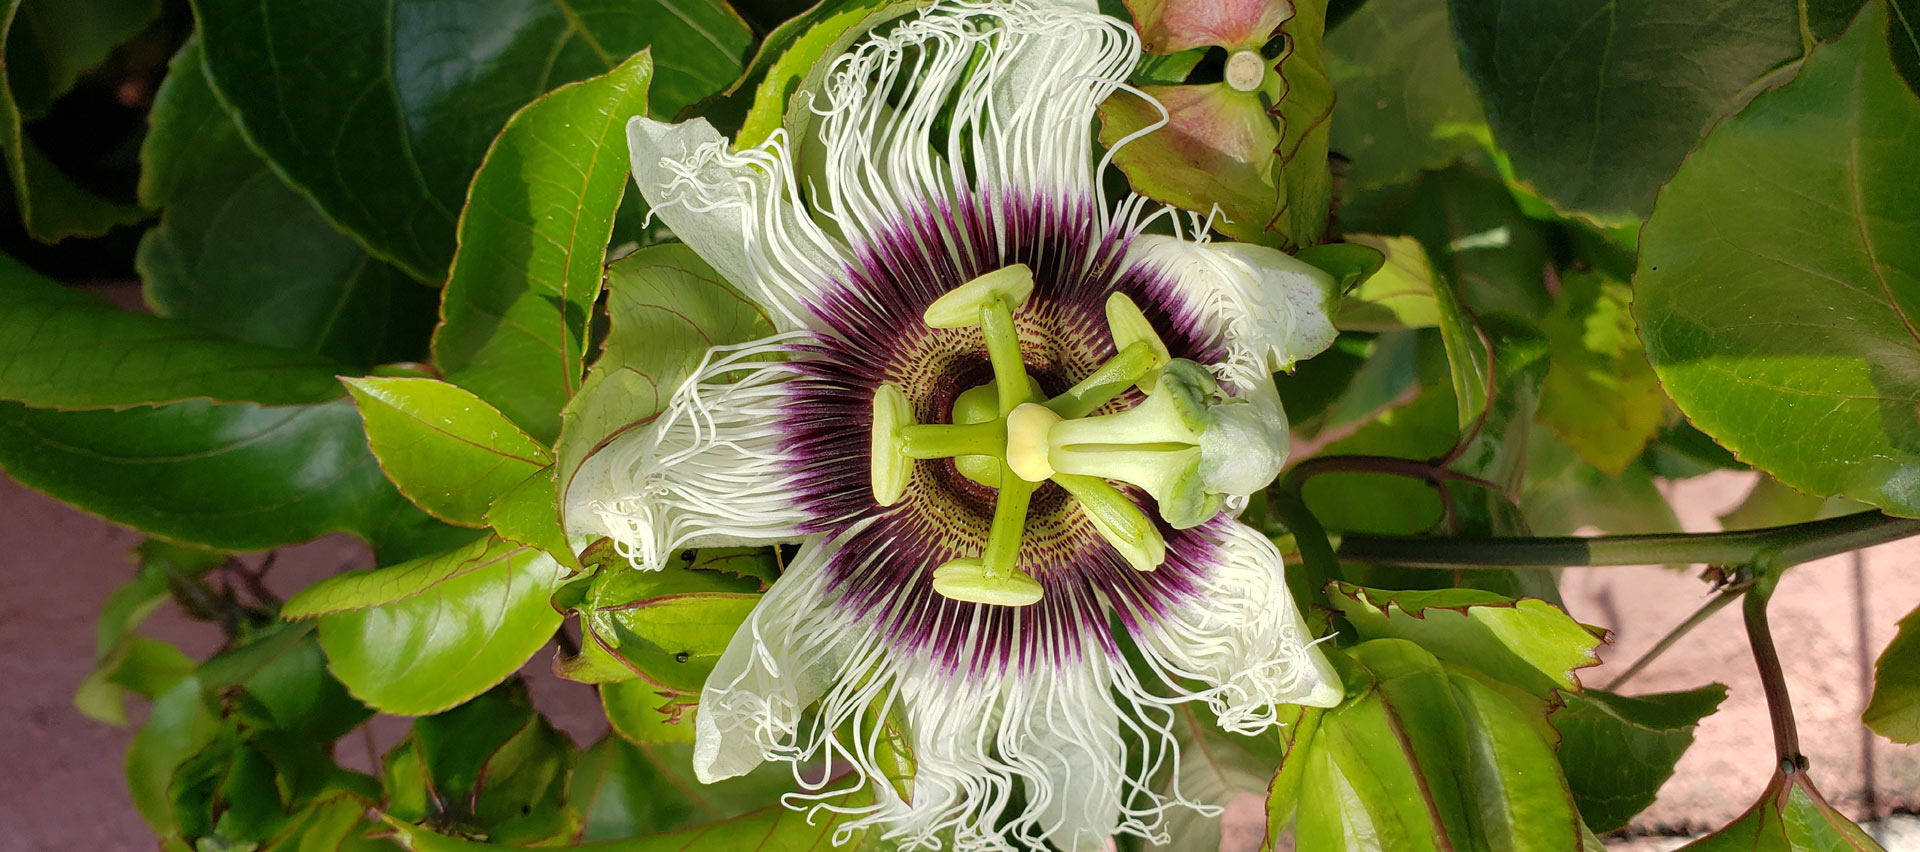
(1773, 680)
(1783, 546)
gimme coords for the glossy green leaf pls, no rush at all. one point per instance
(286, 685)
(381, 110)
(526, 515)
(799, 61)
(1600, 396)
(429, 651)
(1384, 773)
(239, 252)
(532, 239)
(374, 587)
(1523, 803)
(1617, 750)
(1791, 816)
(1805, 364)
(1299, 728)
(1404, 103)
(1894, 710)
(1597, 101)
(666, 306)
(1476, 236)
(668, 626)
(52, 206)
(235, 477)
(1771, 503)
(1528, 643)
(125, 662)
(62, 348)
(446, 449)
(1903, 40)
(644, 714)
(774, 829)
(624, 789)
(493, 767)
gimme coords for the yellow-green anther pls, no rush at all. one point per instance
(1129, 326)
(966, 580)
(939, 441)
(1109, 381)
(891, 468)
(1003, 351)
(960, 306)
(1027, 428)
(1117, 520)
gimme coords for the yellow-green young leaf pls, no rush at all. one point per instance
(1806, 369)
(644, 715)
(432, 650)
(1617, 750)
(829, 29)
(1522, 799)
(67, 349)
(526, 514)
(373, 587)
(774, 829)
(447, 450)
(1894, 710)
(668, 626)
(181, 723)
(1601, 396)
(1399, 295)
(1299, 728)
(1528, 643)
(532, 240)
(666, 307)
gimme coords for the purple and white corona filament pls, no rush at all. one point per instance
(1010, 429)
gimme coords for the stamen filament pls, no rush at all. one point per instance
(1002, 555)
(1117, 520)
(1003, 350)
(940, 441)
(1108, 382)
(1155, 421)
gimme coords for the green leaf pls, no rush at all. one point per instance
(1385, 770)
(381, 110)
(1773, 504)
(527, 515)
(1564, 494)
(1617, 750)
(447, 450)
(52, 206)
(180, 725)
(666, 306)
(643, 714)
(1522, 800)
(532, 239)
(1476, 236)
(493, 767)
(286, 685)
(1528, 643)
(1404, 105)
(1597, 101)
(1903, 40)
(1894, 710)
(239, 252)
(1400, 295)
(69, 349)
(234, 477)
(1791, 816)
(625, 789)
(434, 649)
(804, 47)
(1807, 369)
(774, 829)
(135, 664)
(54, 42)
(1377, 503)
(668, 626)
(374, 587)
(1600, 396)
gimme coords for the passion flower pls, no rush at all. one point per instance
(1010, 428)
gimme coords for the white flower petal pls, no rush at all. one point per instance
(710, 470)
(740, 211)
(1269, 309)
(790, 651)
(1243, 637)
